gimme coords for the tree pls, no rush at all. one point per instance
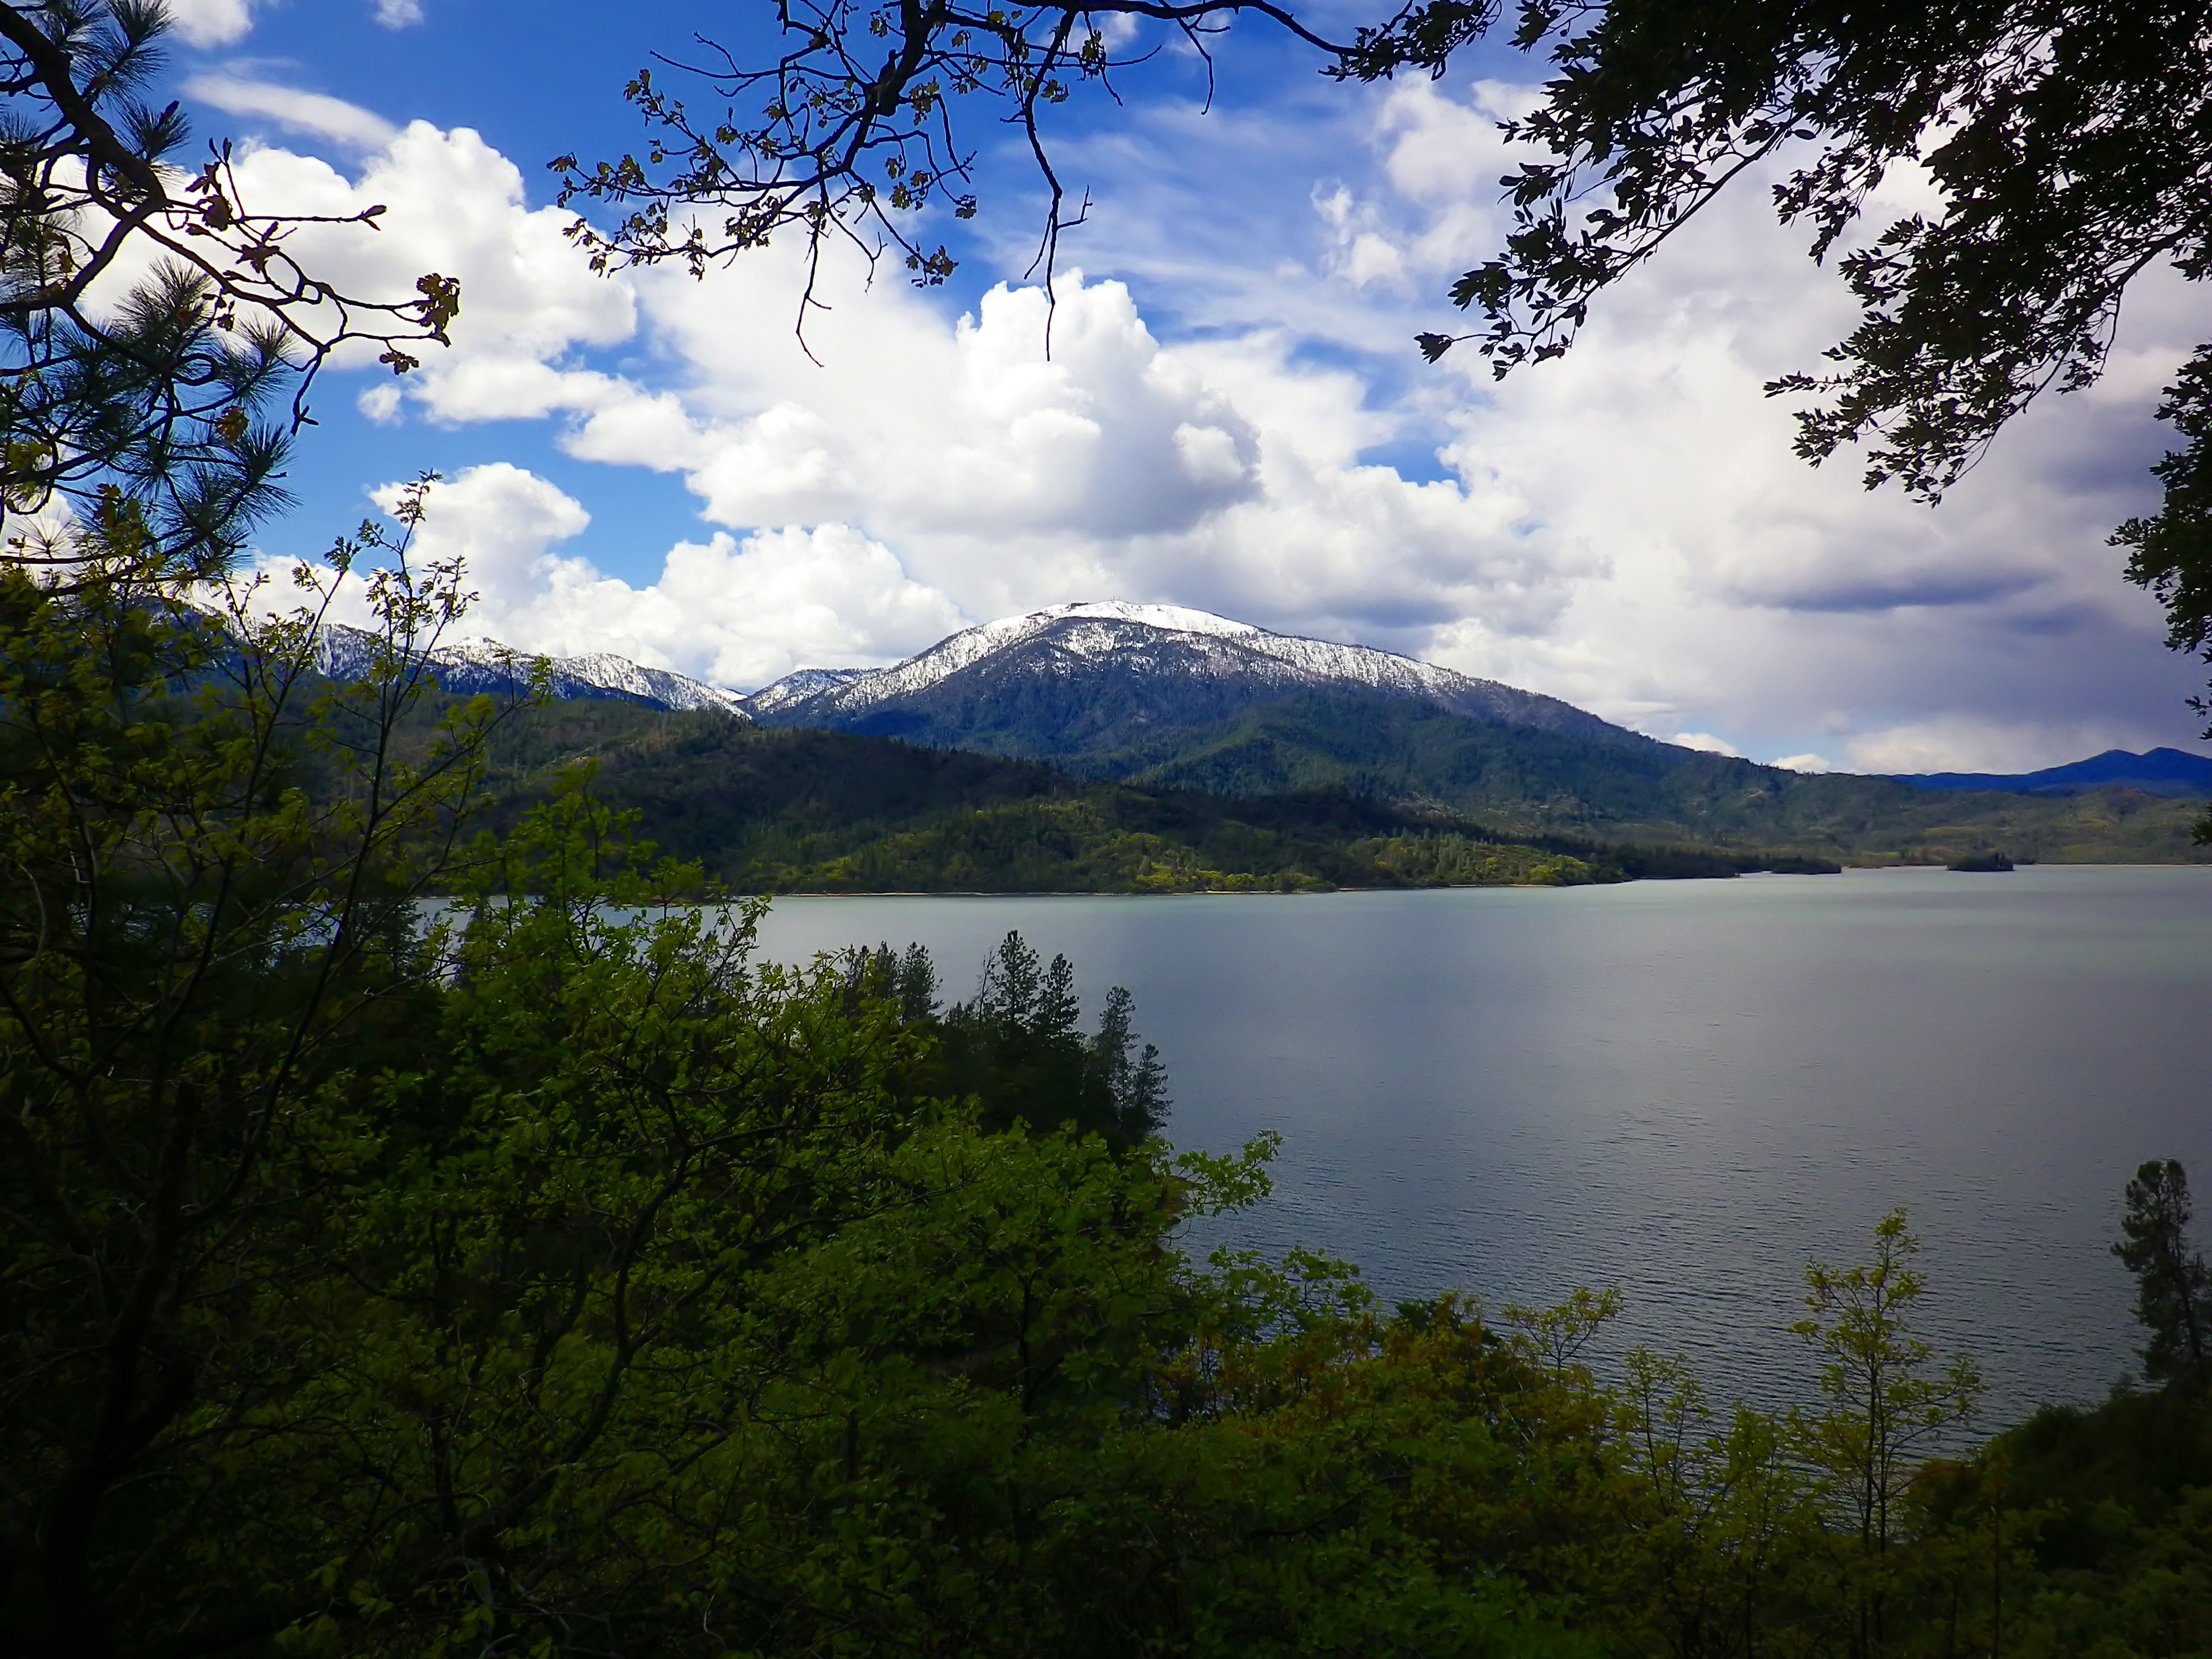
(1885, 1411)
(1018, 1048)
(1137, 1083)
(857, 136)
(150, 321)
(2069, 140)
(211, 853)
(1727, 1525)
(553, 1357)
(211, 859)
(2174, 1286)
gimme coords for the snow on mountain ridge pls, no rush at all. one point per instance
(971, 645)
(1112, 635)
(479, 664)
(1174, 641)
(1176, 618)
(801, 683)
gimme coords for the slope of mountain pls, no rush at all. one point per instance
(2162, 772)
(799, 685)
(1164, 697)
(469, 666)
(799, 811)
(1532, 782)
(1076, 678)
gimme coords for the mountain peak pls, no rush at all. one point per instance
(1177, 618)
(1080, 677)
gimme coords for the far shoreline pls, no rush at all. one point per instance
(1465, 887)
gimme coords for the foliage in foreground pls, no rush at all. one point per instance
(563, 1280)
(644, 1298)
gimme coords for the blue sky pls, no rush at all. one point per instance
(1233, 417)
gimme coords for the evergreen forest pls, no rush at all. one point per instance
(814, 811)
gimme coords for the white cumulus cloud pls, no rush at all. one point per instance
(456, 206)
(1228, 474)
(734, 611)
(212, 23)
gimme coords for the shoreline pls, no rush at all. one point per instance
(1459, 887)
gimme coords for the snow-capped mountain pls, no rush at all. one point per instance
(468, 667)
(1106, 671)
(1071, 679)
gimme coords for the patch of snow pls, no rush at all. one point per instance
(971, 645)
(1122, 630)
(801, 683)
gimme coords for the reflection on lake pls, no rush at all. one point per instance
(1685, 1089)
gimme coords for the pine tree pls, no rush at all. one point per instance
(1058, 1011)
(1008, 995)
(1110, 1049)
(1138, 1086)
(1144, 1107)
(2173, 1286)
(917, 986)
(175, 402)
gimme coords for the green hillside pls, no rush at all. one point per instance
(1527, 782)
(799, 811)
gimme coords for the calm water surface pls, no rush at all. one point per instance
(1684, 1088)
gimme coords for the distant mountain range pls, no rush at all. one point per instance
(1163, 697)
(468, 667)
(1088, 675)
(2162, 772)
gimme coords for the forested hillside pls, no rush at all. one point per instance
(800, 810)
(1526, 781)
(1303, 794)
(838, 808)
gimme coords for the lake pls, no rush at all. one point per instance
(1684, 1088)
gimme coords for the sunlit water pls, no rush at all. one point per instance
(1684, 1088)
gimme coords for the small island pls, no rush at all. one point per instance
(1980, 863)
